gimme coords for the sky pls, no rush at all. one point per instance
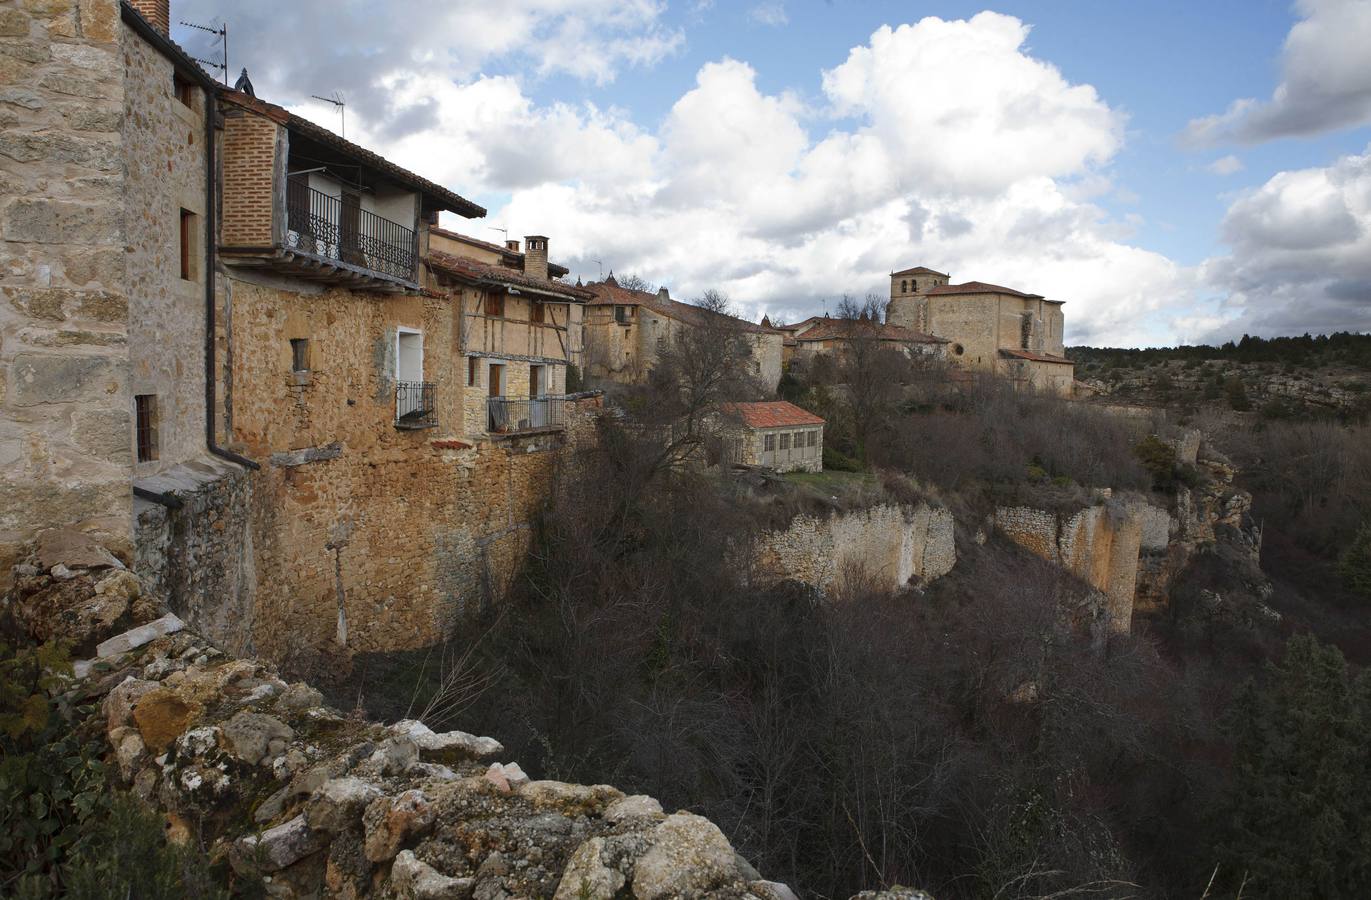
(1177, 172)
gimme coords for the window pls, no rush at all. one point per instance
(409, 354)
(537, 314)
(184, 90)
(785, 440)
(145, 414)
(621, 314)
(813, 438)
(299, 354)
(188, 244)
(769, 442)
(1026, 330)
(473, 371)
(495, 305)
(958, 349)
(904, 287)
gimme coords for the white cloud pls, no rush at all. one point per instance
(1325, 83)
(1225, 165)
(772, 14)
(1301, 254)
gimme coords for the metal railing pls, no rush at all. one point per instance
(511, 415)
(338, 228)
(414, 406)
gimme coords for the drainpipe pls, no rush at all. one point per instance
(211, 238)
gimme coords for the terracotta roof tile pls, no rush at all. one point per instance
(980, 287)
(921, 270)
(609, 293)
(771, 414)
(516, 255)
(484, 273)
(842, 329)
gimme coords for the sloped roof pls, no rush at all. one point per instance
(609, 293)
(444, 198)
(829, 329)
(980, 287)
(921, 270)
(1035, 357)
(771, 414)
(512, 255)
(477, 272)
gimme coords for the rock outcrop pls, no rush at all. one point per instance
(315, 803)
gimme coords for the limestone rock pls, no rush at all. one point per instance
(338, 803)
(418, 880)
(638, 806)
(129, 751)
(162, 716)
(298, 697)
(771, 890)
(688, 857)
(569, 799)
(389, 822)
(253, 737)
(277, 847)
(506, 776)
(73, 549)
(394, 756)
(119, 703)
(139, 636)
(587, 877)
(456, 743)
(894, 893)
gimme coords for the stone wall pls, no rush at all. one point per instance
(894, 545)
(65, 436)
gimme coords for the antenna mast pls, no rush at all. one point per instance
(222, 34)
(337, 100)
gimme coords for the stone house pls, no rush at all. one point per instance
(222, 350)
(775, 434)
(991, 328)
(520, 329)
(625, 329)
(824, 335)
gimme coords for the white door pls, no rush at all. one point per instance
(409, 371)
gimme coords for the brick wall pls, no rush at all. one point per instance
(248, 161)
(157, 12)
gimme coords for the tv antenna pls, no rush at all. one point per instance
(504, 231)
(337, 100)
(222, 34)
(601, 266)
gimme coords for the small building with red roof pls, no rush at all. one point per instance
(776, 434)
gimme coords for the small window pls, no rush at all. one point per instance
(769, 442)
(904, 287)
(785, 440)
(184, 90)
(813, 438)
(621, 314)
(495, 305)
(188, 245)
(537, 315)
(299, 354)
(145, 415)
(473, 371)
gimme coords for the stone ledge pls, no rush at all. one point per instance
(292, 458)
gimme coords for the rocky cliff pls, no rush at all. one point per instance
(312, 802)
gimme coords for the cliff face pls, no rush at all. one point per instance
(891, 545)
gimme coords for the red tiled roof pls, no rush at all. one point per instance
(843, 329)
(980, 287)
(1036, 357)
(609, 293)
(514, 255)
(445, 199)
(771, 414)
(921, 270)
(478, 272)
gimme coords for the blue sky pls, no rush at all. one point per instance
(789, 152)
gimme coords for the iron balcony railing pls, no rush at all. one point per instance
(511, 415)
(414, 406)
(338, 228)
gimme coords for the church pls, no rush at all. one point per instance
(990, 328)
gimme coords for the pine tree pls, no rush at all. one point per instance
(1355, 564)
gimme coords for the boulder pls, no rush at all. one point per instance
(587, 875)
(411, 877)
(394, 756)
(390, 822)
(71, 610)
(638, 806)
(339, 803)
(448, 744)
(771, 890)
(253, 737)
(689, 857)
(299, 697)
(569, 799)
(119, 703)
(137, 637)
(74, 550)
(162, 716)
(278, 847)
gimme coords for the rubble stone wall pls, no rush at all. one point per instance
(896, 545)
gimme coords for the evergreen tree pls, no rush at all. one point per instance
(1355, 564)
(1299, 809)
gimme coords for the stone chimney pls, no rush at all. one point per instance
(157, 12)
(535, 256)
(512, 245)
(663, 295)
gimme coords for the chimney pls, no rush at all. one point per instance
(663, 295)
(535, 256)
(512, 246)
(157, 12)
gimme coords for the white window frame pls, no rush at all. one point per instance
(401, 330)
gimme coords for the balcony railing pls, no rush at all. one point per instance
(338, 228)
(414, 406)
(511, 415)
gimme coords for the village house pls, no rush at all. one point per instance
(520, 330)
(775, 434)
(625, 330)
(236, 349)
(992, 329)
(825, 335)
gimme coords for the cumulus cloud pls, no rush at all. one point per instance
(941, 143)
(1301, 254)
(1225, 165)
(1325, 83)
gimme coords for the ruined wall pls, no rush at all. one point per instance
(165, 154)
(1099, 544)
(65, 407)
(895, 545)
